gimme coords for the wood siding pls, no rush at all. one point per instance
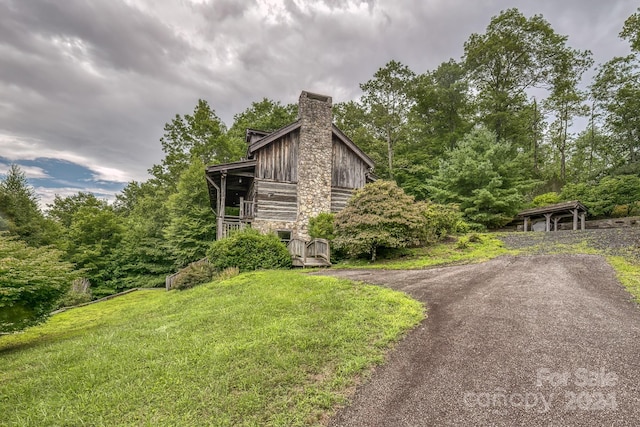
(349, 171)
(339, 197)
(278, 161)
(276, 200)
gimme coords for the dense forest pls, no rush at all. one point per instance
(511, 122)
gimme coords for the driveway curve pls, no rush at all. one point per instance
(535, 341)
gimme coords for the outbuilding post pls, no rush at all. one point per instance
(575, 219)
(548, 224)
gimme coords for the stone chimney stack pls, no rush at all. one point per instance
(315, 157)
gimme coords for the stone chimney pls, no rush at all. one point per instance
(315, 156)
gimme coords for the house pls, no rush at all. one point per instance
(289, 175)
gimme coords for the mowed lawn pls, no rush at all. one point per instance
(265, 348)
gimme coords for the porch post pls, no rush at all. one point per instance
(582, 217)
(548, 224)
(223, 201)
(555, 223)
(526, 224)
(575, 219)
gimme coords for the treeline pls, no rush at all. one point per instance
(488, 132)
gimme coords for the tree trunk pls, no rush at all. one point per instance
(390, 153)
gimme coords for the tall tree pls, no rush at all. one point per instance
(566, 100)
(514, 55)
(616, 91)
(387, 100)
(19, 208)
(202, 135)
(265, 115)
(631, 31)
(192, 224)
(484, 177)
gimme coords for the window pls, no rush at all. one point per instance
(284, 235)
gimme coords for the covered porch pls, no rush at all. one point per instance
(553, 214)
(231, 185)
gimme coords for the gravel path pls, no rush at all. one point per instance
(615, 241)
(508, 343)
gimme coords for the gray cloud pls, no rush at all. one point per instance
(96, 81)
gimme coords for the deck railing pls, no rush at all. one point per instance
(297, 249)
(303, 251)
(318, 248)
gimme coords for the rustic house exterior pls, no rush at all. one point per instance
(289, 175)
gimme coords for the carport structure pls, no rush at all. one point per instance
(555, 213)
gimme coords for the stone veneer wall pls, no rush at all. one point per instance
(314, 160)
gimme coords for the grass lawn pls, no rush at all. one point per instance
(265, 348)
(450, 253)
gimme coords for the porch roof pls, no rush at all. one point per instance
(557, 208)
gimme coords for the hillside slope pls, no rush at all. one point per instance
(267, 348)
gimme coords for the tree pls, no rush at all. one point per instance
(484, 177)
(631, 31)
(387, 101)
(19, 208)
(143, 257)
(201, 135)
(192, 223)
(513, 55)
(63, 209)
(616, 91)
(378, 215)
(265, 115)
(566, 100)
(93, 238)
(31, 282)
(439, 118)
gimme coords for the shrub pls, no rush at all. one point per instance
(192, 275)
(379, 215)
(546, 199)
(249, 250)
(441, 220)
(601, 199)
(33, 281)
(322, 226)
(620, 211)
(78, 293)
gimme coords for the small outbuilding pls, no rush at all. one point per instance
(555, 213)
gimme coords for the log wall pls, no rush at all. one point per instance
(278, 161)
(276, 201)
(339, 197)
(348, 171)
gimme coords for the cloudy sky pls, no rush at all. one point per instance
(87, 86)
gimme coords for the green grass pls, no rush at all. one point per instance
(449, 253)
(628, 273)
(266, 348)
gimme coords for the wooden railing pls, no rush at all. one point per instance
(297, 249)
(169, 280)
(229, 225)
(304, 251)
(247, 209)
(318, 248)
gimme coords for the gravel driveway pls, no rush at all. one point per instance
(535, 341)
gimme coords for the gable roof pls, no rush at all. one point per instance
(558, 207)
(268, 139)
(273, 136)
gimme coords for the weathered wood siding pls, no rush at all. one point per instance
(349, 171)
(339, 197)
(276, 200)
(278, 161)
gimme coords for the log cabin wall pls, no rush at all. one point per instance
(278, 161)
(348, 170)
